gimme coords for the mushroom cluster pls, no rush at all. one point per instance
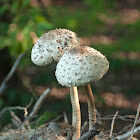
(77, 66)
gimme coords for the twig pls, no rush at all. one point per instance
(137, 115)
(36, 122)
(30, 89)
(29, 103)
(8, 77)
(11, 108)
(128, 134)
(15, 108)
(36, 106)
(91, 133)
(25, 115)
(69, 133)
(35, 134)
(16, 120)
(65, 117)
(84, 127)
(125, 129)
(124, 118)
(112, 124)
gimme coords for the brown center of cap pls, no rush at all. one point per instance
(79, 50)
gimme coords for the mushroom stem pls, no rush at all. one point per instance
(91, 106)
(76, 115)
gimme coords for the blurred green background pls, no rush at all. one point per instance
(112, 27)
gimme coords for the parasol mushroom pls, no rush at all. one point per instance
(50, 47)
(79, 67)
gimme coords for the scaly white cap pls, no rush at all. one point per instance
(80, 66)
(52, 45)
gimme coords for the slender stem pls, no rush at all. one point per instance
(36, 107)
(137, 116)
(91, 107)
(127, 135)
(112, 124)
(10, 74)
(76, 115)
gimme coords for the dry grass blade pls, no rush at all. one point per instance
(112, 124)
(11, 108)
(16, 120)
(84, 127)
(128, 134)
(137, 115)
(36, 106)
(93, 132)
(8, 77)
(65, 117)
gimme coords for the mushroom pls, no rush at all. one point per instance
(50, 47)
(79, 67)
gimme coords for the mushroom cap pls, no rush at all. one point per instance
(52, 45)
(80, 66)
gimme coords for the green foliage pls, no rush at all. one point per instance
(1, 102)
(21, 20)
(18, 19)
(83, 21)
(96, 5)
(46, 75)
(46, 117)
(4, 121)
(13, 97)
